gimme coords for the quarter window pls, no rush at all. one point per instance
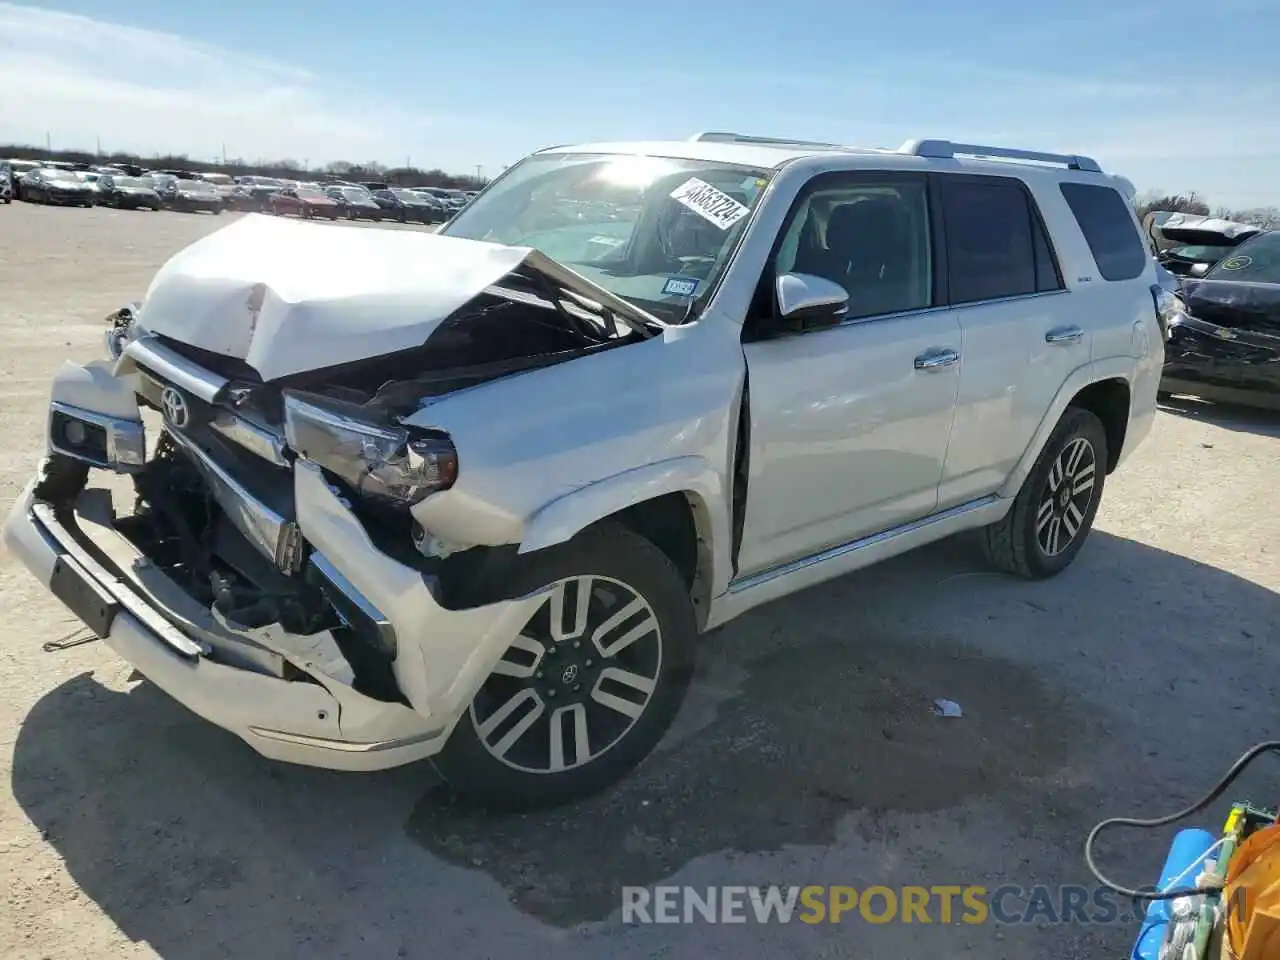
(871, 237)
(1107, 224)
(996, 244)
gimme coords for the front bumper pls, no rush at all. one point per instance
(307, 711)
(1221, 363)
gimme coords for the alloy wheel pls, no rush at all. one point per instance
(575, 680)
(1068, 491)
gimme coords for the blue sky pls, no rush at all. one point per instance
(484, 82)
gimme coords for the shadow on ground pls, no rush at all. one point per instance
(1230, 416)
(814, 708)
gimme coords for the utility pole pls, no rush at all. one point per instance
(48, 142)
(479, 167)
(224, 153)
(99, 142)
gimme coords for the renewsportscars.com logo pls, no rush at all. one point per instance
(940, 903)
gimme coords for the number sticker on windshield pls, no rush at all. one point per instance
(680, 286)
(1236, 263)
(709, 203)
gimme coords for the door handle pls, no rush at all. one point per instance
(936, 359)
(1071, 334)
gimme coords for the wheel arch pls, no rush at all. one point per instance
(678, 505)
(1109, 400)
(1094, 386)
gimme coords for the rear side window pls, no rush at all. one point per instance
(1107, 225)
(996, 244)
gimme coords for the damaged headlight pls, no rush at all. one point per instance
(388, 464)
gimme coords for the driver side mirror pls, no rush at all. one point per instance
(808, 302)
(1200, 269)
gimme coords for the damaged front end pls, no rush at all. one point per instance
(265, 568)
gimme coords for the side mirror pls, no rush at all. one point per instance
(806, 302)
(1200, 269)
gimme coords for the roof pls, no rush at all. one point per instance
(768, 156)
(772, 153)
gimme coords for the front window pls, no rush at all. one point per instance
(1254, 261)
(315, 193)
(1199, 252)
(408, 196)
(129, 182)
(656, 231)
(60, 176)
(197, 186)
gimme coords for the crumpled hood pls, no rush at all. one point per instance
(1236, 304)
(288, 297)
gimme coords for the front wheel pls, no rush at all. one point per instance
(592, 682)
(1053, 512)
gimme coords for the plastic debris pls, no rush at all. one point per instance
(947, 708)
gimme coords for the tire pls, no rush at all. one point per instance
(626, 570)
(1028, 543)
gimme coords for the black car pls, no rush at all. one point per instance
(405, 205)
(127, 193)
(1187, 245)
(1225, 344)
(190, 196)
(357, 203)
(50, 185)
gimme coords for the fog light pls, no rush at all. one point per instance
(75, 433)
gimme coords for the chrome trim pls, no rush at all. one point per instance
(257, 440)
(126, 446)
(46, 522)
(1071, 334)
(936, 359)
(338, 580)
(149, 352)
(831, 553)
(344, 746)
(277, 538)
(1010, 299)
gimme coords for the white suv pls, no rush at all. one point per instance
(474, 495)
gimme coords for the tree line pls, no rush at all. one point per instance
(287, 169)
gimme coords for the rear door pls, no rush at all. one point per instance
(1020, 339)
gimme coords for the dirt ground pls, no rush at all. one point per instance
(807, 754)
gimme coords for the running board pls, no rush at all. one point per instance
(751, 591)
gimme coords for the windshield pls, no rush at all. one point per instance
(61, 175)
(313, 192)
(408, 196)
(217, 178)
(1200, 252)
(1255, 261)
(356, 193)
(653, 230)
(196, 186)
(129, 182)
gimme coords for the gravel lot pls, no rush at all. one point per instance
(807, 755)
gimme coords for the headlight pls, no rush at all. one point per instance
(388, 464)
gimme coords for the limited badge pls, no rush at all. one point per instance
(680, 286)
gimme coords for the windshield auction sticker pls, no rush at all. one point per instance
(709, 203)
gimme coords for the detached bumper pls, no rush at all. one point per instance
(296, 721)
(318, 720)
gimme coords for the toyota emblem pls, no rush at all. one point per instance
(175, 407)
(570, 674)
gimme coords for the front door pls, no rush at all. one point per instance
(850, 424)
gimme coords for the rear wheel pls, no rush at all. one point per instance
(1053, 512)
(592, 682)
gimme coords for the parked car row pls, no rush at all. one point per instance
(136, 188)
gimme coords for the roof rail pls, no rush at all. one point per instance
(945, 149)
(716, 136)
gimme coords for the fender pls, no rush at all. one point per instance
(565, 516)
(1113, 368)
